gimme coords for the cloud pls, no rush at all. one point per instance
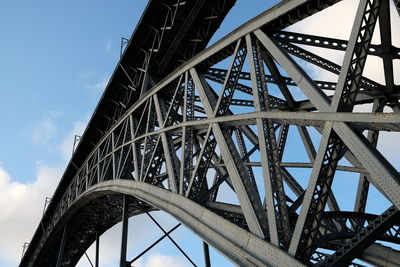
(22, 207)
(336, 22)
(43, 131)
(22, 203)
(46, 130)
(388, 145)
(142, 232)
(152, 260)
(158, 260)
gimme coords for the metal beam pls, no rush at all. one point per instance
(170, 238)
(363, 239)
(380, 255)
(96, 259)
(362, 121)
(383, 174)
(340, 127)
(154, 243)
(246, 191)
(277, 211)
(386, 40)
(124, 232)
(207, 262)
(323, 42)
(367, 84)
(62, 246)
(236, 243)
(171, 161)
(187, 146)
(352, 70)
(363, 184)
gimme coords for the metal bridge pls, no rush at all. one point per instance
(179, 123)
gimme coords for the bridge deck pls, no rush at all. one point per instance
(180, 29)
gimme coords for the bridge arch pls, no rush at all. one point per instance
(153, 131)
(237, 244)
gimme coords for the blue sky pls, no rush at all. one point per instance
(55, 60)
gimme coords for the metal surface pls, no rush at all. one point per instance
(179, 132)
(97, 254)
(207, 261)
(124, 236)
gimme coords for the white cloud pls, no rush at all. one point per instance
(21, 208)
(389, 146)
(158, 260)
(21, 204)
(43, 131)
(142, 232)
(336, 22)
(152, 260)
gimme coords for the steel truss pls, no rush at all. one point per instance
(207, 127)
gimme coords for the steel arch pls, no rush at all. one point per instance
(240, 246)
(186, 126)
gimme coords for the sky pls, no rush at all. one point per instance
(55, 61)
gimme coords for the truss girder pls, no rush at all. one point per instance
(363, 185)
(218, 75)
(185, 138)
(363, 239)
(351, 90)
(366, 84)
(330, 43)
(245, 188)
(278, 217)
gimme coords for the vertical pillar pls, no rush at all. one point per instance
(62, 245)
(124, 231)
(206, 255)
(96, 260)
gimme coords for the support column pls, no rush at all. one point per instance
(62, 245)
(124, 238)
(207, 261)
(96, 261)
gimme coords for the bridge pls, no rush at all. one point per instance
(180, 122)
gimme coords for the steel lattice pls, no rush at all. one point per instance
(179, 134)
